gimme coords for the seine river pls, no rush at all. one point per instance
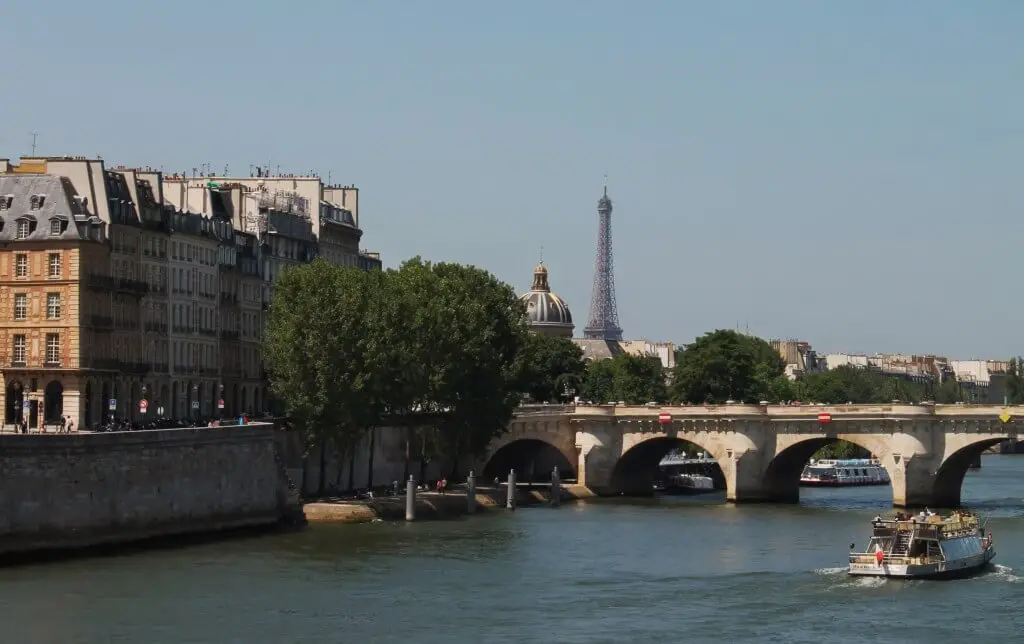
(667, 570)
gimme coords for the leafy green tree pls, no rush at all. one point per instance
(1014, 382)
(849, 384)
(550, 366)
(634, 380)
(477, 385)
(948, 392)
(724, 365)
(599, 382)
(313, 353)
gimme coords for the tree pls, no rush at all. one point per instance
(315, 354)
(477, 383)
(550, 366)
(726, 365)
(634, 380)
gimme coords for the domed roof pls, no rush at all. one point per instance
(544, 309)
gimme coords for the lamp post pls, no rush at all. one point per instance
(220, 397)
(195, 404)
(144, 403)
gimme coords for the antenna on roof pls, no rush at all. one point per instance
(35, 135)
(542, 254)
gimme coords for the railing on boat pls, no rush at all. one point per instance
(897, 560)
(925, 530)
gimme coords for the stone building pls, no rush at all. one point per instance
(132, 295)
(548, 314)
(52, 339)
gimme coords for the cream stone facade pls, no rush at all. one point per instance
(761, 449)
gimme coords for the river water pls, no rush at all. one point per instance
(659, 570)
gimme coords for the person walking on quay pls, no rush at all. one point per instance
(71, 424)
(24, 426)
(63, 423)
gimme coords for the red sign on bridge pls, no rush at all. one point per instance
(664, 418)
(824, 418)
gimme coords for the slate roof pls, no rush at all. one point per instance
(19, 199)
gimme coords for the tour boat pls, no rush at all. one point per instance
(925, 546)
(689, 484)
(844, 472)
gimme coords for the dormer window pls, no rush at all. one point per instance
(5, 202)
(26, 226)
(36, 202)
(58, 225)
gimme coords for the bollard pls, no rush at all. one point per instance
(410, 499)
(556, 487)
(510, 501)
(471, 493)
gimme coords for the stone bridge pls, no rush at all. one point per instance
(614, 449)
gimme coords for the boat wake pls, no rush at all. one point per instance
(829, 571)
(1002, 573)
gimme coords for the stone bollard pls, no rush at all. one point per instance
(471, 493)
(410, 499)
(510, 501)
(556, 487)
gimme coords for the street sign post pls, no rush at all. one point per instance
(220, 404)
(143, 406)
(112, 406)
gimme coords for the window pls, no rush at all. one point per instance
(54, 265)
(52, 348)
(20, 306)
(53, 306)
(18, 355)
(55, 227)
(36, 202)
(24, 228)
(21, 265)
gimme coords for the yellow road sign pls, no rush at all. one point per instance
(1005, 416)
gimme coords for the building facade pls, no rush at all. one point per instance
(128, 295)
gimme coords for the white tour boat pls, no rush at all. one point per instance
(925, 546)
(844, 472)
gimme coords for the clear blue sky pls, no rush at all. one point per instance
(849, 173)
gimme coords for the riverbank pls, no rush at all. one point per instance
(431, 505)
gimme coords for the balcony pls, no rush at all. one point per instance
(157, 327)
(135, 287)
(210, 333)
(99, 321)
(229, 336)
(108, 283)
(138, 368)
(208, 296)
(107, 364)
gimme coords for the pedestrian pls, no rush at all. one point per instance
(63, 423)
(71, 424)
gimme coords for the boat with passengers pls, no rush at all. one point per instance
(924, 546)
(833, 472)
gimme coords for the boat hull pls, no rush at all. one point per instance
(812, 483)
(956, 569)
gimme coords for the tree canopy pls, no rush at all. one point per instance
(634, 380)
(727, 365)
(551, 369)
(434, 347)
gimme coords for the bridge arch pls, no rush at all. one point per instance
(949, 477)
(634, 472)
(532, 448)
(781, 479)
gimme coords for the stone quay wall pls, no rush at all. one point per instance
(80, 490)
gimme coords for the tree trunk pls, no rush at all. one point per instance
(305, 474)
(369, 460)
(322, 486)
(351, 468)
(408, 455)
